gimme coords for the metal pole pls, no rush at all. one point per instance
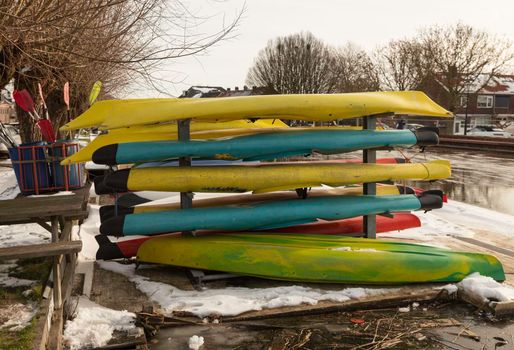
(184, 127)
(466, 115)
(370, 156)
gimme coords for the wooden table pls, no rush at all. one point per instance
(56, 214)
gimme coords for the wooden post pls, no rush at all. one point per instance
(57, 265)
(370, 156)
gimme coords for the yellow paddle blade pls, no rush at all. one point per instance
(95, 91)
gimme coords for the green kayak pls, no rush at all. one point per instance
(319, 258)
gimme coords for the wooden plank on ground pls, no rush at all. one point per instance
(40, 250)
(402, 296)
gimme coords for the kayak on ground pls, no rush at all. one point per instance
(319, 258)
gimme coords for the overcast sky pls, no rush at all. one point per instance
(367, 23)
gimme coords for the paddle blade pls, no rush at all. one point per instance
(66, 93)
(20, 97)
(40, 90)
(95, 91)
(47, 130)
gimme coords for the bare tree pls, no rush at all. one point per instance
(116, 41)
(354, 71)
(298, 63)
(400, 65)
(458, 54)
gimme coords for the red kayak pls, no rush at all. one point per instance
(128, 248)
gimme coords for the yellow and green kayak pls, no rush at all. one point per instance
(319, 258)
(112, 114)
(269, 177)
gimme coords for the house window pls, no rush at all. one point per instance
(484, 101)
(463, 101)
(501, 101)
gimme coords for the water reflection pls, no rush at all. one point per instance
(479, 178)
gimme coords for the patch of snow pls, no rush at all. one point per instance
(94, 325)
(87, 232)
(17, 316)
(195, 342)
(342, 249)
(232, 301)
(93, 166)
(8, 185)
(24, 234)
(12, 282)
(450, 288)
(60, 193)
(486, 288)
(350, 249)
(404, 309)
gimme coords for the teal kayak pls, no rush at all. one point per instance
(264, 146)
(265, 215)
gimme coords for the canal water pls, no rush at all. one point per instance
(478, 178)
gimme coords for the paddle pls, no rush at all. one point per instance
(43, 103)
(66, 96)
(95, 91)
(24, 100)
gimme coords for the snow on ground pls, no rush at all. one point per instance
(232, 301)
(195, 342)
(94, 325)
(12, 282)
(8, 184)
(482, 286)
(17, 316)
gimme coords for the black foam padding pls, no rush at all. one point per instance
(426, 138)
(430, 201)
(109, 211)
(107, 250)
(402, 190)
(400, 160)
(429, 128)
(438, 193)
(100, 187)
(106, 155)
(131, 199)
(118, 180)
(113, 226)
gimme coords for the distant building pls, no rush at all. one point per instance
(489, 100)
(7, 112)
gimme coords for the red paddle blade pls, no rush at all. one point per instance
(66, 92)
(21, 101)
(27, 100)
(47, 130)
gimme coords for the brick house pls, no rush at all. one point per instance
(489, 100)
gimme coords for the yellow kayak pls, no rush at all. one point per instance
(168, 132)
(270, 177)
(112, 114)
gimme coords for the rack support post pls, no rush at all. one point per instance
(184, 127)
(370, 156)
